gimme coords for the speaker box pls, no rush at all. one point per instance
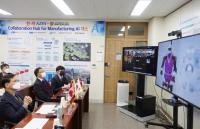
(146, 105)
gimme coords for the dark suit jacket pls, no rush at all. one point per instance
(57, 83)
(1, 77)
(42, 90)
(11, 109)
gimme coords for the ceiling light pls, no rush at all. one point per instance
(62, 6)
(120, 34)
(4, 12)
(140, 7)
(123, 28)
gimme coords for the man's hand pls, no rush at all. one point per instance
(27, 100)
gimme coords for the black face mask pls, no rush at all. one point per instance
(62, 73)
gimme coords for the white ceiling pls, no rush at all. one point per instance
(88, 9)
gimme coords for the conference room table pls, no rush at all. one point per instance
(82, 101)
(69, 121)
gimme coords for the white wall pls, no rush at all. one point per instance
(96, 72)
(158, 31)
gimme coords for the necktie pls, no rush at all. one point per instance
(19, 99)
(47, 87)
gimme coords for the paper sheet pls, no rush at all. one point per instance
(118, 56)
(45, 109)
(99, 56)
(36, 123)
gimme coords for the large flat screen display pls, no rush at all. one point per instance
(141, 60)
(178, 68)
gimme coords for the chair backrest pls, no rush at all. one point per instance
(37, 100)
(27, 91)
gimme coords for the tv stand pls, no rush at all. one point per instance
(144, 108)
(175, 105)
(189, 116)
(130, 110)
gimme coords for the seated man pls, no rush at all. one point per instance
(41, 88)
(59, 80)
(4, 70)
(13, 106)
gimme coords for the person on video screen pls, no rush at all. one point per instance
(169, 67)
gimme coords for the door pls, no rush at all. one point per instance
(113, 69)
(120, 35)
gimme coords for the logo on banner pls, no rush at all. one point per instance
(98, 28)
(3, 28)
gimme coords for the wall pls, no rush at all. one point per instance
(81, 35)
(158, 31)
(97, 73)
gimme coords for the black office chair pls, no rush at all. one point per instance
(37, 101)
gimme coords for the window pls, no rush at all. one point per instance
(135, 30)
(116, 30)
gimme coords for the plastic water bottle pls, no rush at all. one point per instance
(70, 110)
(59, 114)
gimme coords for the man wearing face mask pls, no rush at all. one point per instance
(41, 88)
(4, 70)
(13, 106)
(59, 80)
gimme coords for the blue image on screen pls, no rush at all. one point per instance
(166, 67)
(186, 78)
(49, 76)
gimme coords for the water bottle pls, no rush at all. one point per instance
(70, 109)
(60, 114)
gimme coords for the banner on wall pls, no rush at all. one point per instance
(19, 57)
(49, 43)
(78, 71)
(23, 72)
(18, 50)
(95, 28)
(76, 51)
(47, 52)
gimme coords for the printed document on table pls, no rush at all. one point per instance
(45, 109)
(36, 123)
